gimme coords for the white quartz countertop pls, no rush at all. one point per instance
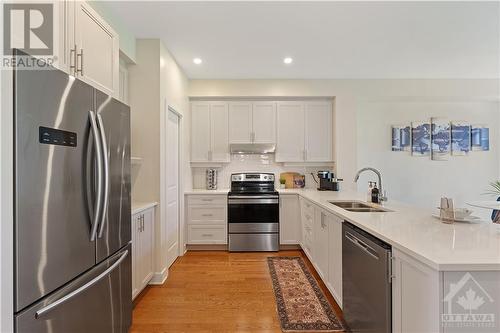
(203, 191)
(444, 247)
(140, 206)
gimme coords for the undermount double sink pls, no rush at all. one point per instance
(357, 206)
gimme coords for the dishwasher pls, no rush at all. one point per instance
(366, 281)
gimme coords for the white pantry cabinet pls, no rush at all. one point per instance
(252, 122)
(88, 46)
(209, 132)
(305, 131)
(290, 230)
(142, 249)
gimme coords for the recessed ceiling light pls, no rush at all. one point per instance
(288, 60)
(197, 61)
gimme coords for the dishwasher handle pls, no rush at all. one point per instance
(362, 245)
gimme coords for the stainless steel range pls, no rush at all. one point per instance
(253, 213)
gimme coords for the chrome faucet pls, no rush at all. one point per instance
(382, 196)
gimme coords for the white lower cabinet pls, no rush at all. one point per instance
(206, 219)
(334, 281)
(322, 243)
(290, 230)
(142, 249)
(307, 223)
(415, 296)
(320, 246)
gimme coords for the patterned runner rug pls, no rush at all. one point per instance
(302, 306)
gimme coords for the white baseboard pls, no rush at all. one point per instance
(159, 278)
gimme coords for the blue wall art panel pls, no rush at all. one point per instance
(421, 138)
(401, 138)
(440, 139)
(460, 138)
(480, 138)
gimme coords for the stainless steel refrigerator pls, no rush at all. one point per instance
(72, 206)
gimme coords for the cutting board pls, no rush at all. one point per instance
(288, 176)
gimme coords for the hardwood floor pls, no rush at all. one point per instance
(215, 291)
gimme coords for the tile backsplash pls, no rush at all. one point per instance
(253, 163)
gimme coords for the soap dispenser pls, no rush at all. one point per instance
(369, 194)
(375, 193)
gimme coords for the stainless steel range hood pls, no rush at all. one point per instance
(252, 148)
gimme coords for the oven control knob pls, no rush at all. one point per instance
(265, 177)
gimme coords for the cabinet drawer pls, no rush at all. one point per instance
(207, 234)
(207, 200)
(205, 214)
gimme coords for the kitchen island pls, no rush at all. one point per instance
(445, 277)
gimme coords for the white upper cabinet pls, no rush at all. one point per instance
(264, 122)
(97, 50)
(304, 132)
(252, 122)
(240, 122)
(318, 126)
(209, 132)
(88, 47)
(219, 132)
(200, 131)
(290, 133)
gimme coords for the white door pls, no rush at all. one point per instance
(264, 122)
(318, 137)
(172, 178)
(240, 122)
(97, 49)
(200, 131)
(290, 143)
(219, 132)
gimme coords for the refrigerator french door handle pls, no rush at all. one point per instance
(78, 291)
(106, 173)
(98, 199)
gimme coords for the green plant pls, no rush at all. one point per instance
(494, 188)
(282, 181)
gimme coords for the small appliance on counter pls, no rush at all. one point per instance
(211, 179)
(327, 181)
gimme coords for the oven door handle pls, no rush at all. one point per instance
(252, 201)
(253, 197)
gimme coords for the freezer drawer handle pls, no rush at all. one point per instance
(106, 173)
(78, 291)
(359, 243)
(98, 199)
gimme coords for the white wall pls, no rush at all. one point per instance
(349, 98)
(155, 81)
(420, 180)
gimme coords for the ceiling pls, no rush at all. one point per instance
(241, 40)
